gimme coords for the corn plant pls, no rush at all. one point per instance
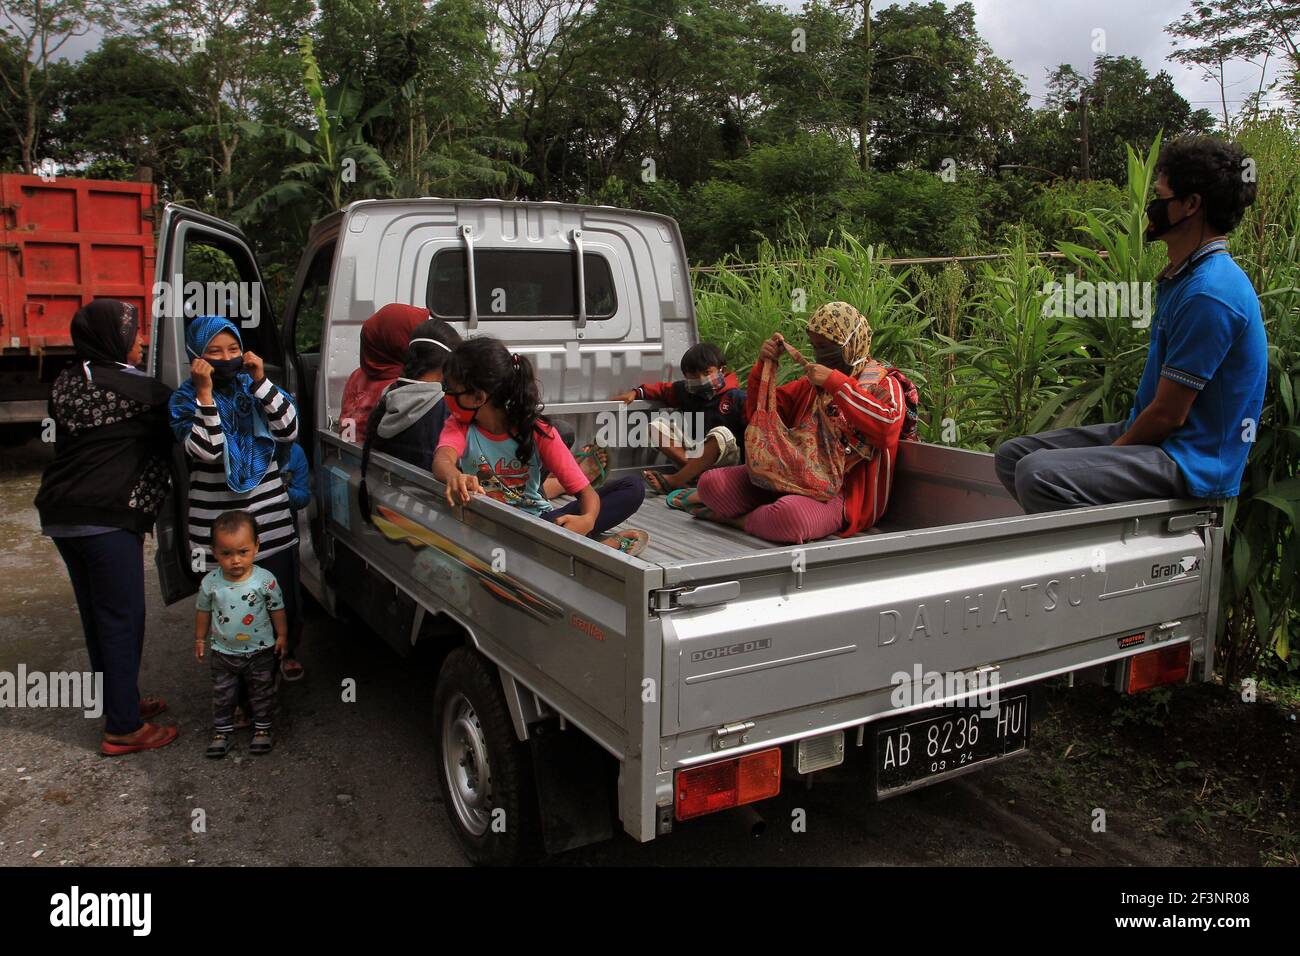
(737, 308)
(1111, 349)
(1260, 611)
(1007, 361)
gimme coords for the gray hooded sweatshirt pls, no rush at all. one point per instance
(405, 406)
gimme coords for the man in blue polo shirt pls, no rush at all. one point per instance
(1197, 406)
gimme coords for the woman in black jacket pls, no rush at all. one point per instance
(99, 496)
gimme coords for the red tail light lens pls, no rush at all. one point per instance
(730, 783)
(1168, 665)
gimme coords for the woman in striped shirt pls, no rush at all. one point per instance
(230, 418)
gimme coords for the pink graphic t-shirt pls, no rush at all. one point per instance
(494, 460)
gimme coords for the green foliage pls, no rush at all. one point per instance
(1261, 592)
(1112, 347)
(992, 361)
(338, 164)
(1008, 360)
(738, 307)
(1054, 210)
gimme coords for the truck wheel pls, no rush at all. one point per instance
(483, 770)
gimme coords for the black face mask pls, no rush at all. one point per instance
(832, 357)
(225, 370)
(1158, 217)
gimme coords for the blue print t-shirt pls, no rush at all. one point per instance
(1208, 334)
(241, 610)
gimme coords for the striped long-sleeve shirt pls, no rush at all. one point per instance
(210, 495)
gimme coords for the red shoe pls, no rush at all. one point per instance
(151, 707)
(148, 737)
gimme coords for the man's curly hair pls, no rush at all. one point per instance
(1213, 168)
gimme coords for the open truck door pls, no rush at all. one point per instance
(205, 266)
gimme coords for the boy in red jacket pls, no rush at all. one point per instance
(709, 391)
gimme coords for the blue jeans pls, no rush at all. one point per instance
(107, 572)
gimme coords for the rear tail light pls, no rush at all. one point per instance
(730, 783)
(1168, 665)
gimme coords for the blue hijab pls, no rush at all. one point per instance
(249, 444)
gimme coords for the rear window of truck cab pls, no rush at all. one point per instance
(519, 284)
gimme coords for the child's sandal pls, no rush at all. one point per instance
(677, 501)
(218, 746)
(600, 456)
(261, 742)
(629, 541)
(655, 482)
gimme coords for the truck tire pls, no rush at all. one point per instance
(483, 770)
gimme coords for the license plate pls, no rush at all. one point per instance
(946, 742)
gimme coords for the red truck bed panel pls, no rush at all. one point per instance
(64, 243)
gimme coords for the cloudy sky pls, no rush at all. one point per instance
(1037, 35)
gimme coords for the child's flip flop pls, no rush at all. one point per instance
(600, 456)
(290, 669)
(630, 541)
(655, 482)
(677, 501)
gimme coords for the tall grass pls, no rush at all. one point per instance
(1261, 594)
(991, 363)
(1010, 353)
(738, 308)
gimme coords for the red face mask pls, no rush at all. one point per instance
(459, 412)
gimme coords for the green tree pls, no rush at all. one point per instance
(338, 164)
(239, 60)
(35, 32)
(1248, 31)
(121, 107)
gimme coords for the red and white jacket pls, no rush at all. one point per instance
(875, 410)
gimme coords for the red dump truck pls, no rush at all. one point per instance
(63, 242)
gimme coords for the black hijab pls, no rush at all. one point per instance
(103, 333)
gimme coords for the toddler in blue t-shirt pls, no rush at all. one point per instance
(240, 606)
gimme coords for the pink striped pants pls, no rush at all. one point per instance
(770, 515)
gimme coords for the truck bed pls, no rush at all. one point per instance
(933, 487)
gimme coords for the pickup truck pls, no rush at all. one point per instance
(579, 689)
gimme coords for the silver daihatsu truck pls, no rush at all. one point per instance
(580, 690)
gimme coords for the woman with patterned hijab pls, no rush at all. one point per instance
(875, 407)
(97, 499)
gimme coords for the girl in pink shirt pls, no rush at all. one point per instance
(497, 443)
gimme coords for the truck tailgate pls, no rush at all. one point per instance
(1030, 597)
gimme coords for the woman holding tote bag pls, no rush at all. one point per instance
(820, 450)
